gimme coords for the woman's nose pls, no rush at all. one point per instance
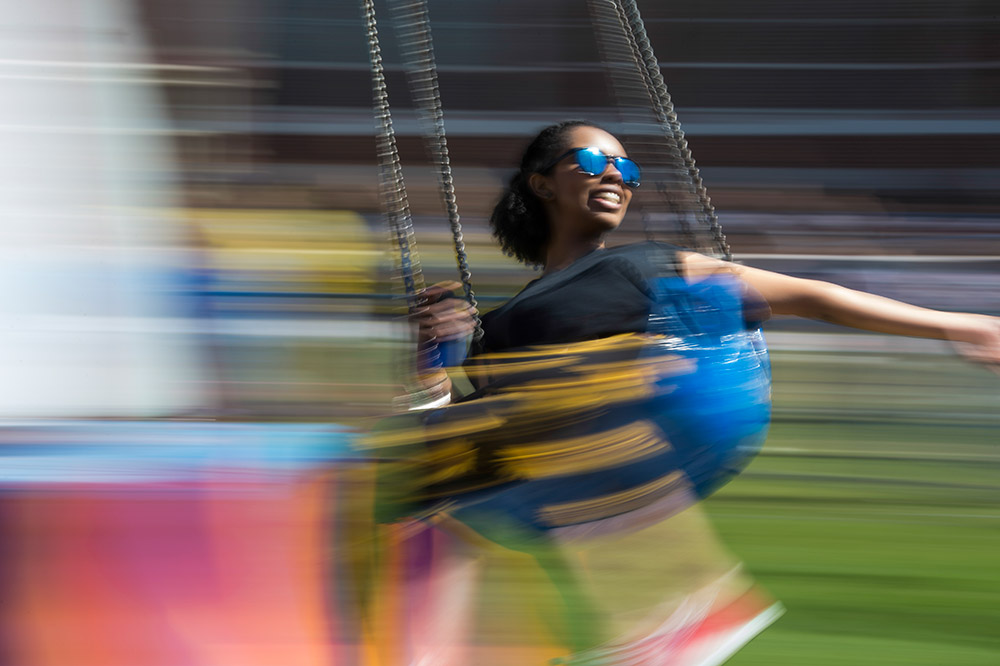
(612, 173)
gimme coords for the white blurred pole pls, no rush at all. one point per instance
(88, 254)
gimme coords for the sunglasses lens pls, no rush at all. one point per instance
(629, 171)
(593, 162)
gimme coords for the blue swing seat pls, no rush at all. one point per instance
(569, 435)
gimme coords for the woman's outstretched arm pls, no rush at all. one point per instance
(975, 336)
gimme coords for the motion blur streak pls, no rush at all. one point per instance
(91, 257)
(199, 320)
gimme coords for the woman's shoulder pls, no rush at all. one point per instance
(645, 248)
(642, 261)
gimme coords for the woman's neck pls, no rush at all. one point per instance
(562, 254)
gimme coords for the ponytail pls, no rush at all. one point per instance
(518, 222)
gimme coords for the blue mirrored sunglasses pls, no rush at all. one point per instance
(593, 163)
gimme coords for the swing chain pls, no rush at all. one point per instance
(413, 21)
(666, 109)
(392, 191)
(635, 91)
(646, 65)
(392, 188)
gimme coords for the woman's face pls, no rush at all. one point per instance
(577, 202)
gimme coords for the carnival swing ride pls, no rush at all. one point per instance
(541, 457)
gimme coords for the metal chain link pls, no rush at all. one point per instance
(395, 204)
(666, 107)
(416, 44)
(650, 88)
(392, 189)
(636, 98)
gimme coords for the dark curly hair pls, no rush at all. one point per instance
(518, 220)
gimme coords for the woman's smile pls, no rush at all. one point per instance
(607, 198)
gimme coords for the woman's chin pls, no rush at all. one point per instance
(595, 222)
(607, 222)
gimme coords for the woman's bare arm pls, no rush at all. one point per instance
(976, 336)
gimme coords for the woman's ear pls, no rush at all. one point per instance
(539, 184)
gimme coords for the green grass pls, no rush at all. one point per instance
(889, 554)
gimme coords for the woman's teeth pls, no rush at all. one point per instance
(608, 196)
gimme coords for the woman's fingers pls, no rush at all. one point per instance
(447, 331)
(451, 308)
(445, 319)
(441, 316)
(439, 292)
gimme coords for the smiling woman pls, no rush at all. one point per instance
(589, 425)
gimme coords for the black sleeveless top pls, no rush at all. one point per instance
(601, 294)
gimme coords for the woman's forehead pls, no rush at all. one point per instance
(586, 137)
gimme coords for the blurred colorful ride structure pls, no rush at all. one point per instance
(134, 528)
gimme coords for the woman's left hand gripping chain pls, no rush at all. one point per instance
(441, 319)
